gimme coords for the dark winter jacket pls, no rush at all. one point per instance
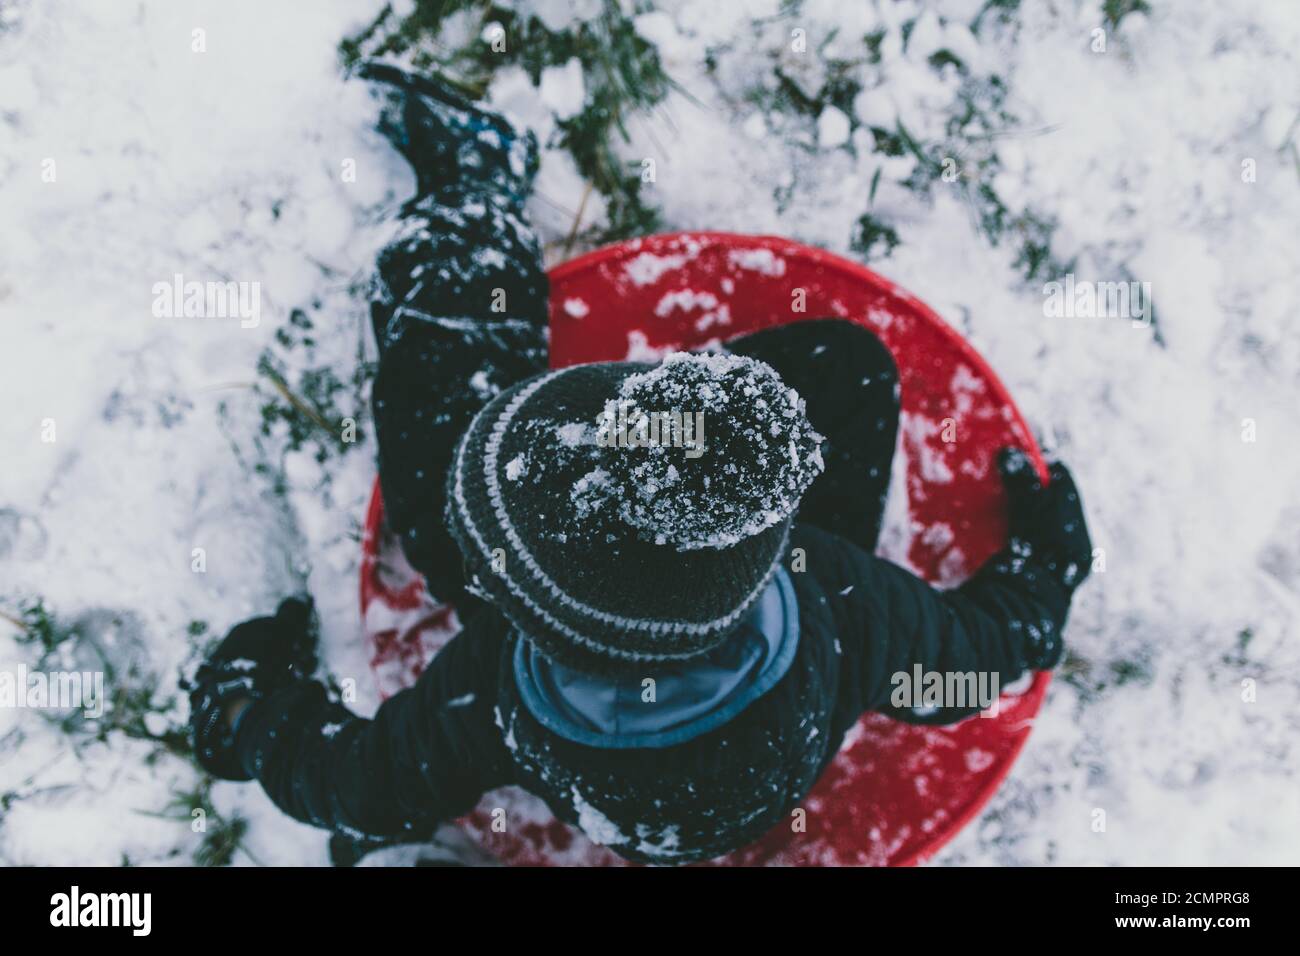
(431, 751)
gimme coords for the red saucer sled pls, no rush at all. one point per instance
(896, 793)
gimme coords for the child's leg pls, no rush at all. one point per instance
(850, 382)
(459, 307)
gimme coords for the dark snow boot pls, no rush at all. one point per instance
(451, 143)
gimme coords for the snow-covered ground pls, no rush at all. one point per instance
(128, 157)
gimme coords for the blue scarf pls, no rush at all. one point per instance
(690, 698)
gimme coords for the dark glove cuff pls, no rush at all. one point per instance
(216, 685)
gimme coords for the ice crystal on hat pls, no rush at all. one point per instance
(759, 452)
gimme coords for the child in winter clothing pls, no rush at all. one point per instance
(653, 642)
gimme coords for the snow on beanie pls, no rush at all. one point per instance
(624, 515)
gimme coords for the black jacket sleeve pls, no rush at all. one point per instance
(1007, 619)
(428, 755)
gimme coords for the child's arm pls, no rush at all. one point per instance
(428, 754)
(1004, 621)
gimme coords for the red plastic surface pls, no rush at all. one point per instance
(896, 793)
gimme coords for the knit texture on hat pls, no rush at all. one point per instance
(608, 538)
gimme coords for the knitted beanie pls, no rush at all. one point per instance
(625, 515)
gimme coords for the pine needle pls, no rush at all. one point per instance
(577, 220)
(295, 401)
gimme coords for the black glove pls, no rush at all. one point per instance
(1046, 523)
(257, 658)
